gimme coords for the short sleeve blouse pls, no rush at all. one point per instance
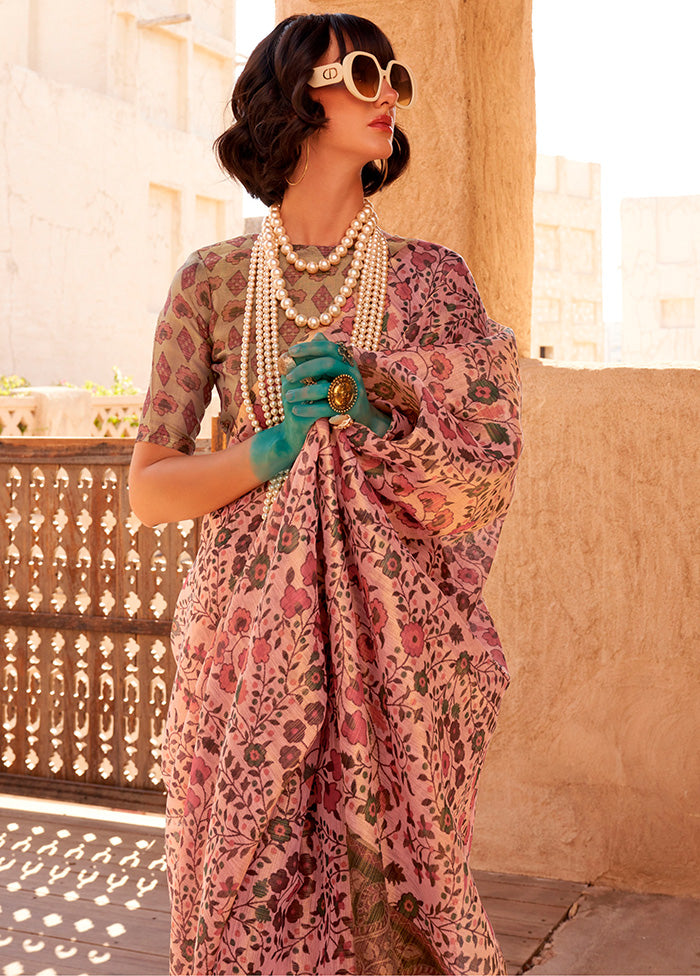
(197, 344)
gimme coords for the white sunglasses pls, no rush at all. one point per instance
(363, 76)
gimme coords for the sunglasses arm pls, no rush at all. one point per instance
(326, 74)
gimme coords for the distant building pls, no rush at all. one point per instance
(567, 315)
(107, 179)
(661, 279)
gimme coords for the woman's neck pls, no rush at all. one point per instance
(319, 209)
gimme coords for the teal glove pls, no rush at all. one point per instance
(322, 360)
(276, 448)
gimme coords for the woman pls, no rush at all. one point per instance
(338, 673)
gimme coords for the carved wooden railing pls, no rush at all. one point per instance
(86, 604)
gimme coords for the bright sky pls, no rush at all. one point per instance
(617, 83)
(254, 19)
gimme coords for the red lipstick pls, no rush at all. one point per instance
(383, 122)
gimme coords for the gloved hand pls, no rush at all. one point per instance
(322, 360)
(276, 448)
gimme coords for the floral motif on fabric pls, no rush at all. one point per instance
(339, 675)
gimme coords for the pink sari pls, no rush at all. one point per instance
(339, 675)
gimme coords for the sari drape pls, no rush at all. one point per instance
(339, 675)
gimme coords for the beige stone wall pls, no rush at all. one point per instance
(107, 179)
(567, 292)
(661, 279)
(472, 133)
(594, 771)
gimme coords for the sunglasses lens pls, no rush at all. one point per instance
(400, 81)
(366, 76)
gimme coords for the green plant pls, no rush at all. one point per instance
(121, 386)
(10, 384)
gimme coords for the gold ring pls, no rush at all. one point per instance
(342, 393)
(308, 381)
(340, 421)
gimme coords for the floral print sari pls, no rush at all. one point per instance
(339, 675)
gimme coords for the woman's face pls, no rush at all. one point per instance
(355, 129)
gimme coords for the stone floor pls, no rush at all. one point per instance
(620, 932)
(82, 891)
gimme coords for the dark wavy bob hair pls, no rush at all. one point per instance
(274, 113)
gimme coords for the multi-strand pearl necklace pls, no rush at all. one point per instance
(267, 289)
(359, 233)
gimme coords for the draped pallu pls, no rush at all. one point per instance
(339, 675)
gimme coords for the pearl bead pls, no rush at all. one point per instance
(334, 310)
(286, 302)
(300, 320)
(313, 322)
(346, 291)
(300, 265)
(334, 258)
(312, 267)
(339, 300)
(324, 264)
(290, 312)
(346, 242)
(286, 249)
(356, 225)
(325, 318)
(341, 250)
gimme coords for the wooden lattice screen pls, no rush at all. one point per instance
(86, 604)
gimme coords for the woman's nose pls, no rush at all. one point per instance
(387, 94)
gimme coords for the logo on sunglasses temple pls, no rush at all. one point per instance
(330, 73)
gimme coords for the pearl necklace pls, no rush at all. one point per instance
(266, 288)
(338, 252)
(359, 234)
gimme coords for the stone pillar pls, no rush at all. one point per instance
(472, 131)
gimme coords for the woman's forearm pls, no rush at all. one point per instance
(166, 485)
